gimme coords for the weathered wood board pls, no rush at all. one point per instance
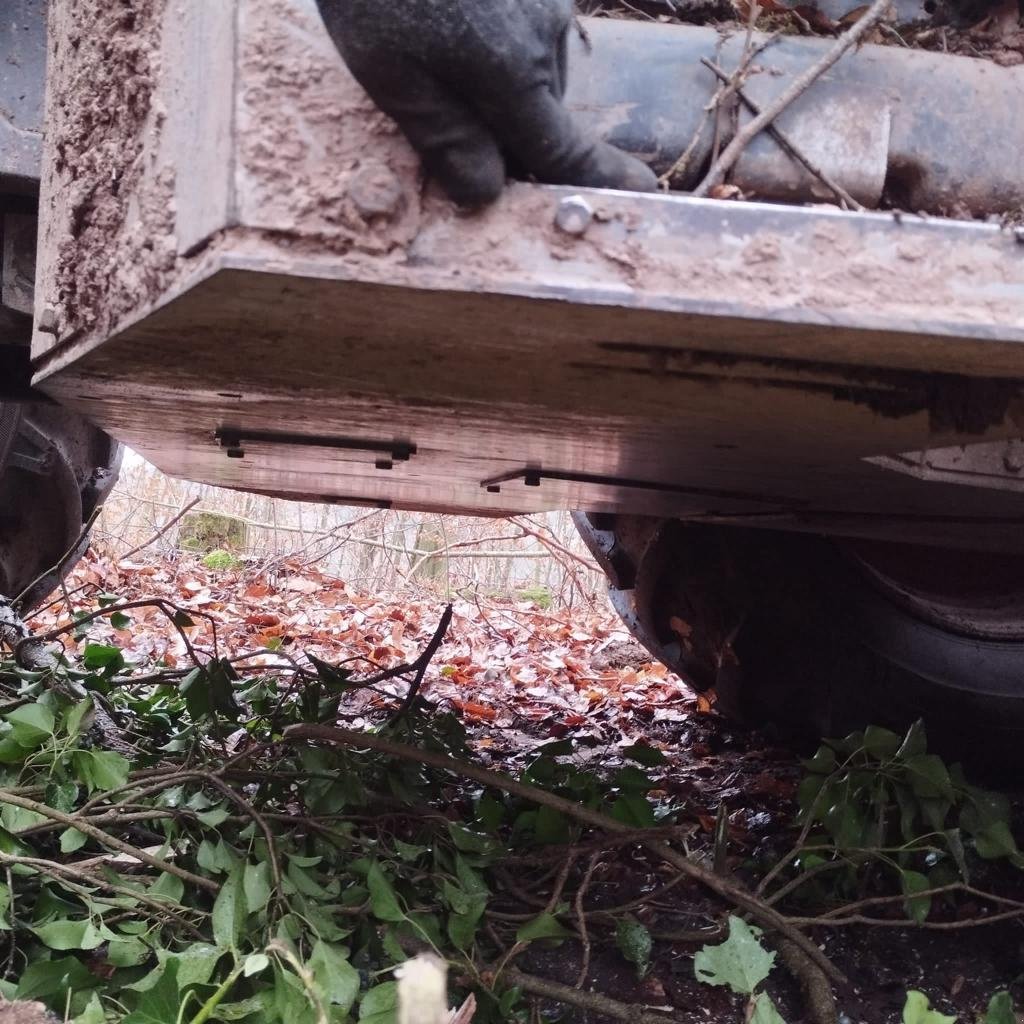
(268, 299)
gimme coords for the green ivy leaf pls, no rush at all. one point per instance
(335, 679)
(649, 757)
(470, 842)
(12, 752)
(255, 963)
(550, 827)
(634, 810)
(929, 777)
(160, 1004)
(914, 743)
(995, 841)
(409, 852)
(916, 908)
(763, 1011)
(845, 824)
(380, 1004)
(335, 976)
(169, 887)
(881, 744)
(65, 934)
(229, 911)
(741, 962)
(383, 898)
(823, 762)
(61, 796)
(213, 817)
(128, 953)
(544, 926)
(103, 657)
(196, 964)
(43, 979)
(462, 923)
(92, 1014)
(490, 812)
(100, 769)
(256, 883)
(31, 725)
(635, 943)
(220, 679)
(71, 839)
(917, 1010)
(1000, 1010)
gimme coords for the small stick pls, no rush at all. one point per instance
(179, 515)
(725, 888)
(581, 917)
(787, 143)
(722, 94)
(419, 666)
(592, 1001)
(871, 17)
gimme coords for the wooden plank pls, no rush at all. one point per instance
(199, 44)
(484, 398)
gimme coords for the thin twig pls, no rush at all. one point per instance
(591, 1001)
(419, 666)
(725, 888)
(182, 512)
(581, 917)
(728, 157)
(787, 143)
(105, 839)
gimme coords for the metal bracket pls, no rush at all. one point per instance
(533, 477)
(233, 441)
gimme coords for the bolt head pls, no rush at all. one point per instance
(48, 320)
(376, 191)
(574, 215)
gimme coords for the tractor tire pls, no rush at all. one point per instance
(815, 636)
(55, 470)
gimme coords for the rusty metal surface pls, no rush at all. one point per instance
(943, 131)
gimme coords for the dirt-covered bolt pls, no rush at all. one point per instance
(574, 215)
(48, 320)
(376, 191)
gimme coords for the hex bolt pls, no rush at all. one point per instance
(574, 215)
(48, 320)
(376, 191)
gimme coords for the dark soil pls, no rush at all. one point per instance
(712, 763)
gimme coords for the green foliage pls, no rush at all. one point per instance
(917, 1010)
(274, 896)
(740, 963)
(538, 595)
(209, 531)
(1000, 1010)
(877, 800)
(635, 942)
(220, 560)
